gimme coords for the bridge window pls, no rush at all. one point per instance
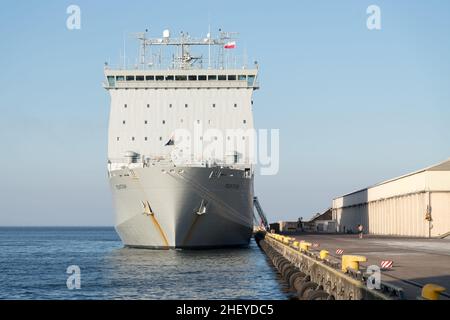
(214, 105)
(212, 77)
(186, 105)
(222, 77)
(149, 78)
(180, 78)
(120, 78)
(250, 80)
(159, 78)
(145, 138)
(202, 77)
(123, 122)
(192, 78)
(130, 78)
(148, 106)
(231, 77)
(125, 105)
(145, 122)
(169, 78)
(132, 138)
(164, 122)
(139, 78)
(111, 81)
(235, 105)
(242, 77)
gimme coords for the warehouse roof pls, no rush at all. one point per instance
(442, 166)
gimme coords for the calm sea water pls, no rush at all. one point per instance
(33, 264)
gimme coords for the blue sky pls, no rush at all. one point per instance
(353, 106)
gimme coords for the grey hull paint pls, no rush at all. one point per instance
(174, 196)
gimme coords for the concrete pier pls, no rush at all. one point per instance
(345, 267)
(416, 261)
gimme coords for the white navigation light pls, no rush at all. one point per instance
(166, 34)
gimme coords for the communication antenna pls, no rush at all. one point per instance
(124, 53)
(208, 37)
(181, 53)
(142, 37)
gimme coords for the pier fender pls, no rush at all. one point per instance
(276, 259)
(294, 276)
(299, 281)
(432, 291)
(285, 268)
(320, 295)
(288, 272)
(306, 288)
(282, 264)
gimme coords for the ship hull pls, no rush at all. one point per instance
(165, 207)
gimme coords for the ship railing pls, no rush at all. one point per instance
(139, 162)
(228, 62)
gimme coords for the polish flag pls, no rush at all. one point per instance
(230, 45)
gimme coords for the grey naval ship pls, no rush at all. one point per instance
(165, 195)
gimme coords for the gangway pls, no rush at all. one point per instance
(261, 213)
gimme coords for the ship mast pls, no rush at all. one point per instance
(182, 59)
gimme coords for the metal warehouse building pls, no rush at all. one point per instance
(416, 204)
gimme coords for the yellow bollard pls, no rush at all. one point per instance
(432, 291)
(304, 246)
(323, 254)
(352, 262)
(295, 244)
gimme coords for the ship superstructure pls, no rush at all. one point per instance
(165, 114)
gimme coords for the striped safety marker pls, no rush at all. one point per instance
(316, 245)
(386, 264)
(339, 251)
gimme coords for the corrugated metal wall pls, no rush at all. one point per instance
(440, 212)
(398, 216)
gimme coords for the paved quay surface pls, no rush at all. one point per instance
(417, 261)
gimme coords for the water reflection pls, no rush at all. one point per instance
(33, 263)
(241, 273)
